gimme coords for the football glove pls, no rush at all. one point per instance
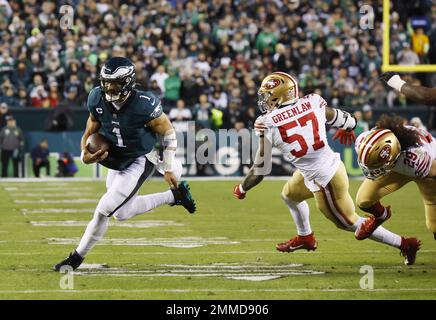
(345, 137)
(238, 192)
(386, 76)
(392, 80)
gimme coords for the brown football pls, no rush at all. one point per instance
(96, 142)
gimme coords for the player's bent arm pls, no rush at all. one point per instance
(416, 93)
(419, 94)
(163, 127)
(432, 173)
(340, 119)
(92, 126)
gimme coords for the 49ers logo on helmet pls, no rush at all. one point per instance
(272, 83)
(385, 153)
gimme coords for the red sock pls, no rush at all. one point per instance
(377, 210)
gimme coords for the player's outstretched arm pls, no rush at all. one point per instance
(252, 179)
(344, 121)
(418, 94)
(163, 127)
(92, 126)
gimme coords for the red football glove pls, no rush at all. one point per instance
(238, 193)
(345, 137)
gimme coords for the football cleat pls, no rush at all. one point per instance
(297, 243)
(409, 247)
(183, 197)
(371, 223)
(74, 260)
(238, 193)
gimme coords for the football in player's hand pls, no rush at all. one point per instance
(96, 142)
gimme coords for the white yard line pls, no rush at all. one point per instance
(56, 201)
(118, 224)
(272, 290)
(65, 194)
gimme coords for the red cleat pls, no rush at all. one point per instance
(371, 223)
(297, 243)
(409, 247)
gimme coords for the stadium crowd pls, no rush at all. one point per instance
(207, 58)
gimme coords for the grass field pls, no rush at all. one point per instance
(224, 251)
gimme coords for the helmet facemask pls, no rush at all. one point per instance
(115, 90)
(378, 153)
(117, 79)
(375, 173)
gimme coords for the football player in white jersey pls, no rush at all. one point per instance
(392, 155)
(296, 126)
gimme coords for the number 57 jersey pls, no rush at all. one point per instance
(299, 132)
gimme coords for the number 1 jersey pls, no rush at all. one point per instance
(299, 132)
(126, 128)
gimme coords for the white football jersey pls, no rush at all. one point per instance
(299, 132)
(415, 161)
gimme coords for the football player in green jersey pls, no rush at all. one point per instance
(132, 121)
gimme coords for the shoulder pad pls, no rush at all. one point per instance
(94, 97)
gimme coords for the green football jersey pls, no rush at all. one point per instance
(126, 129)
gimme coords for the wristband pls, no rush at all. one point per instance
(396, 82)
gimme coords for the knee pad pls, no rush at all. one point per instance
(107, 205)
(122, 213)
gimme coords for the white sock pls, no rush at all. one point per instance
(95, 230)
(382, 235)
(142, 204)
(300, 215)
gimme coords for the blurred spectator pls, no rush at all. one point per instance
(362, 125)
(40, 158)
(218, 98)
(211, 43)
(179, 115)
(160, 76)
(38, 94)
(420, 42)
(172, 86)
(11, 144)
(4, 114)
(60, 119)
(203, 112)
(417, 123)
(367, 116)
(406, 56)
(232, 117)
(66, 165)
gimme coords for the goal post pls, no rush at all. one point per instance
(386, 48)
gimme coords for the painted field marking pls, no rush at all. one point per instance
(49, 195)
(119, 224)
(181, 242)
(162, 290)
(56, 201)
(234, 271)
(26, 211)
(26, 189)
